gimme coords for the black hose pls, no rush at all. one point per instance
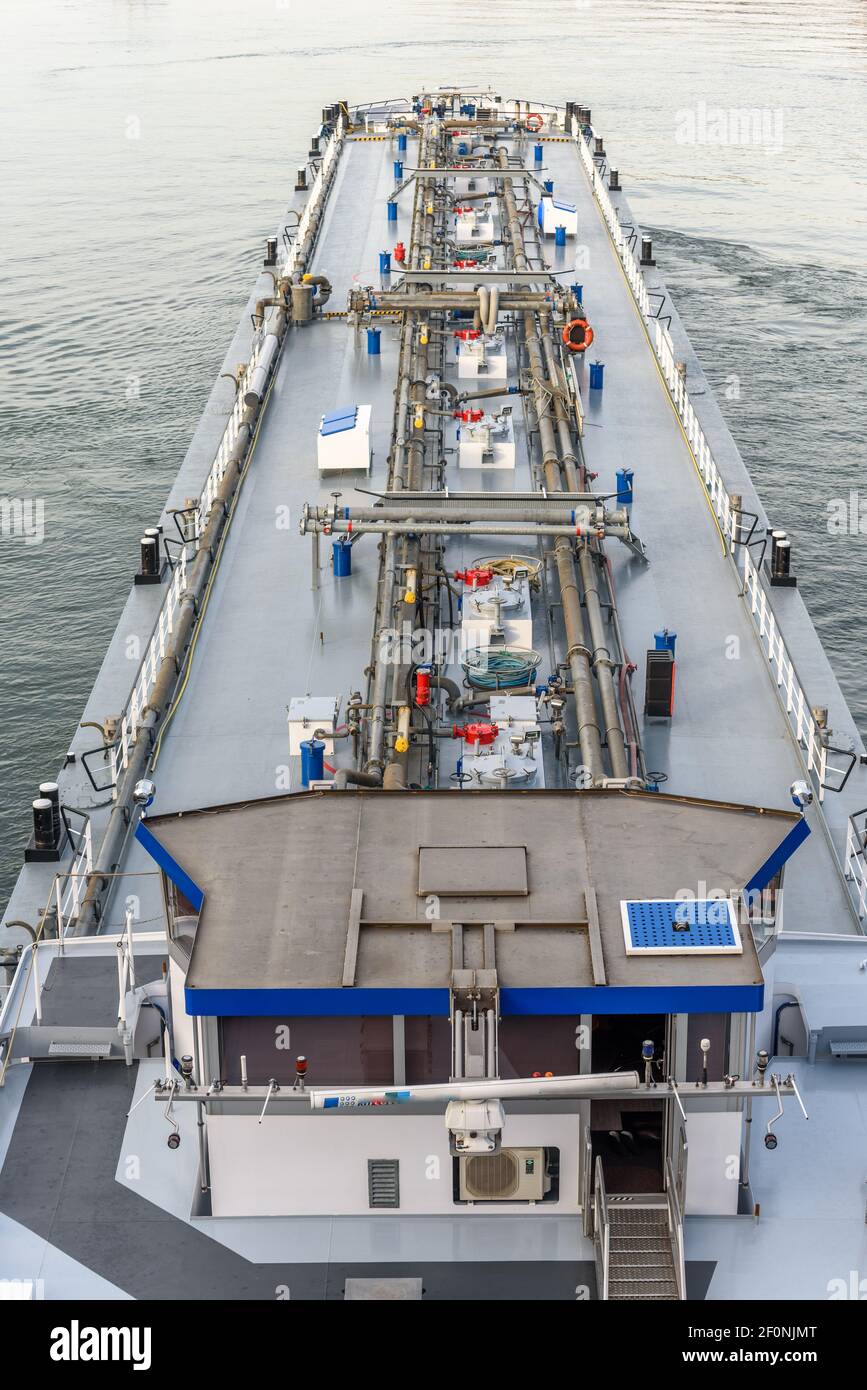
(788, 1004)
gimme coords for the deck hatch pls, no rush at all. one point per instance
(669, 926)
(473, 871)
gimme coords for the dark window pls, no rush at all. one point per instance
(428, 1049)
(339, 1051)
(715, 1028)
(545, 1042)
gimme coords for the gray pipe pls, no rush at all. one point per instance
(589, 736)
(411, 527)
(603, 664)
(451, 687)
(453, 509)
(351, 776)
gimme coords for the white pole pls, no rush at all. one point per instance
(36, 984)
(129, 951)
(167, 1050)
(526, 1088)
(121, 988)
(60, 924)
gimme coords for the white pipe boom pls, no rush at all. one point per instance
(520, 1088)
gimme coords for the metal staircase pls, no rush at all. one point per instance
(641, 1256)
(638, 1237)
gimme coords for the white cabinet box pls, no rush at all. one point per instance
(344, 440)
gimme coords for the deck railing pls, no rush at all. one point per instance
(856, 860)
(290, 254)
(218, 468)
(601, 1232)
(69, 888)
(804, 727)
(131, 716)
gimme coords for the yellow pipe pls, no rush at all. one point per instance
(401, 743)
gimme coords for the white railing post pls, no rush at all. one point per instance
(37, 986)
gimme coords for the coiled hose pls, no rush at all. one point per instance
(499, 668)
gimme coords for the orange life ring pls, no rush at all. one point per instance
(534, 116)
(577, 335)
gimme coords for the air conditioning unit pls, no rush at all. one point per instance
(512, 1175)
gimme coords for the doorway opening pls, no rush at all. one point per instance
(629, 1135)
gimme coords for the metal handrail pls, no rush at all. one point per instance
(135, 707)
(809, 738)
(675, 1227)
(587, 1185)
(856, 860)
(27, 970)
(68, 889)
(601, 1231)
(807, 732)
(136, 704)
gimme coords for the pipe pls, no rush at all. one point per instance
(349, 776)
(601, 656)
(401, 301)
(394, 777)
(451, 687)
(411, 527)
(523, 1088)
(482, 697)
(589, 736)
(456, 510)
(322, 284)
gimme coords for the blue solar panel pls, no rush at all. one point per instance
(675, 925)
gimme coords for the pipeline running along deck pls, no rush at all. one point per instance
(483, 787)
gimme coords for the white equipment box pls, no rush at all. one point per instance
(474, 229)
(473, 183)
(515, 756)
(498, 606)
(553, 214)
(487, 444)
(344, 440)
(307, 713)
(481, 355)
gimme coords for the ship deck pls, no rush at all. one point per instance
(68, 1212)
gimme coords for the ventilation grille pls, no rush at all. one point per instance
(492, 1175)
(383, 1182)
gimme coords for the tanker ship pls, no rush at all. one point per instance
(455, 886)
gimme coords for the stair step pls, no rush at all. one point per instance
(638, 1243)
(636, 1270)
(636, 1294)
(619, 1224)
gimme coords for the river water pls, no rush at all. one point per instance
(149, 145)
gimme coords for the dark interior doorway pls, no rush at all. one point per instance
(628, 1134)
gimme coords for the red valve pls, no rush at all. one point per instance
(400, 253)
(467, 333)
(469, 417)
(482, 734)
(464, 265)
(477, 578)
(422, 687)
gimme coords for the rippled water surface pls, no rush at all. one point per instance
(148, 147)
